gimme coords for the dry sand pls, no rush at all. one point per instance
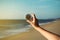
(34, 35)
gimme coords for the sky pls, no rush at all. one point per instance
(17, 9)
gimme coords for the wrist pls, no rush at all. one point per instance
(36, 25)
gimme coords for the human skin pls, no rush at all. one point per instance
(48, 35)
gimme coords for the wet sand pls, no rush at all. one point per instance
(34, 35)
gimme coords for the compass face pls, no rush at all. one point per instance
(29, 17)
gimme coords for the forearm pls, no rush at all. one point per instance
(46, 34)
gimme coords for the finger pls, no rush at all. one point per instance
(33, 15)
(29, 21)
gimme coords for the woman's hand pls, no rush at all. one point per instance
(34, 22)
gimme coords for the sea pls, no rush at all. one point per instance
(13, 27)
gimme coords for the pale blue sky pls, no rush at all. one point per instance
(17, 9)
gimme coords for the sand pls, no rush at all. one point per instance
(34, 35)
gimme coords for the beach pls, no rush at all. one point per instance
(32, 34)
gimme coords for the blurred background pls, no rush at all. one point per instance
(17, 9)
(13, 22)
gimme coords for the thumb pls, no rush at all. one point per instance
(29, 21)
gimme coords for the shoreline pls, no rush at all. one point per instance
(32, 34)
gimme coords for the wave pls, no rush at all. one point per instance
(16, 29)
(10, 32)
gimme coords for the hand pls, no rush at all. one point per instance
(34, 22)
(44, 32)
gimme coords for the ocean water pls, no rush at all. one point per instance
(12, 27)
